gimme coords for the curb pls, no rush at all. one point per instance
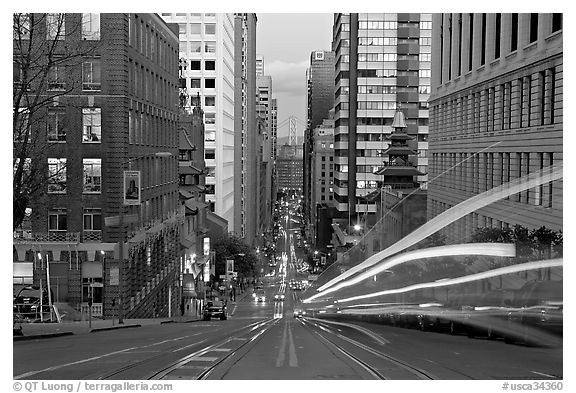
(114, 328)
(41, 336)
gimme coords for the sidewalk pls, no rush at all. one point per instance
(47, 330)
(32, 331)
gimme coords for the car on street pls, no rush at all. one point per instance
(259, 295)
(215, 309)
(279, 297)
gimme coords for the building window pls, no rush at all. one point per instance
(91, 74)
(497, 38)
(209, 47)
(470, 41)
(210, 118)
(210, 83)
(195, 65)
(22, 125)
(90, 26)
(57, 220)
(195, 83)
(57, 175)
(556, 22)
(92, 175)
(55, 77)
(209, 101)
(55, 126)
(533, 27)
(210, 136)
(210, 65)
(425, 25)
(210, 154)
(21, 26)
(183, 47)
(483, 42)
(196, 47)
(210, 28)
(514, 38)
(92, 220)
(55, 27)
(424, 73)
(91, 125)
(195, 28)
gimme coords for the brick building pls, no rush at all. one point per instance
(111, 108)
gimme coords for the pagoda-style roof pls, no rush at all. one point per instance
(399, 151)
(399, 136)
(189, 170)
(397, 170)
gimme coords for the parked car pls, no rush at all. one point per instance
(215, 309)
(488, 316)
(26, 303)
(538, 309)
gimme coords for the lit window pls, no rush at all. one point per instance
(21, 26)
(91, 26)
(91, 74)
(92, 175)
(210, 118)
(210, 47)
(55, 27)
(91, 125)
(57, 175)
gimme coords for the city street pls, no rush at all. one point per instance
(262, 340)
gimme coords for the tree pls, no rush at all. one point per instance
(229, 247)
(48, 53)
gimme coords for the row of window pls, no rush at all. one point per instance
(195, 65)
(146, 129)
(468, 48)
(153, 172)
(56, 26)
(150, 43)
(523, 102)
(198, 46)
(479, 172)
(372, 137)
(92, 175)
(196, 28)
(91, 219)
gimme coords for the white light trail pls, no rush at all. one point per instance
(487, 249)
(461, 280)
(462, 209)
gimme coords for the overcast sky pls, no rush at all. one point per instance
(286, 41)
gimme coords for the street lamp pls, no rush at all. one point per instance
(121, 225)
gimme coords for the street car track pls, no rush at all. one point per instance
(412, 370)
(117, 373)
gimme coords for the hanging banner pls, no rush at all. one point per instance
(206, 245)
(131, 188)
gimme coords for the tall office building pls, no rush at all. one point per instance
(321, 173)
(320, 100)
(246, 172)
(272, 142)
(496, 114)
(108, 220)
(207, 50)
(259, 65)
(289, 167)
(382, 63)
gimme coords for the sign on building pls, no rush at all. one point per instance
(132, 188)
